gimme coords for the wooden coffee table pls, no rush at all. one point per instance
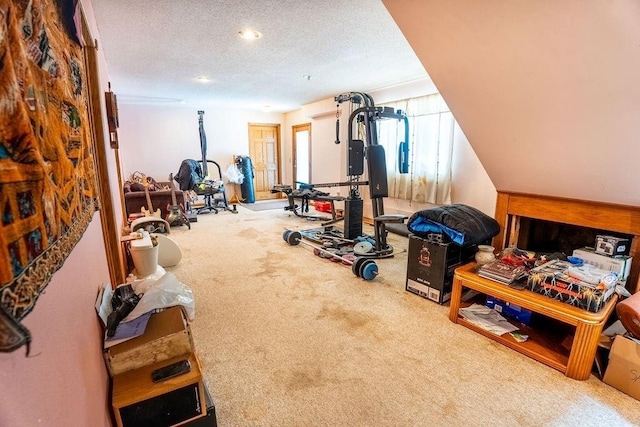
(574, 360)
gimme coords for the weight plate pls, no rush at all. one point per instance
(328, 253)
(355, 267)
(362, 248)
(369, 270)
(294, 238)
(348, 259)
(285, 235)
(316, 251)
(362, 265)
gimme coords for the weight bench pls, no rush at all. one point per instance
(305, 195)
(378, 190)
(380, 230)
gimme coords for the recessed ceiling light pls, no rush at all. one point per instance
(203, 79)
(306, 77)
(249, 34)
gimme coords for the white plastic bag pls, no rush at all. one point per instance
(162, 292)
(234, 175)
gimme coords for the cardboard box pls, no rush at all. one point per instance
(167, 335)
(509, 310)
(618, 264)
(430, 267)
(585, 297)
(550, 279)
(623, 371)
(611, 245)
(440, 296)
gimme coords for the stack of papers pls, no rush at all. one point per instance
(125, 330)
(487, 319)
(128, 330)
(502, 272)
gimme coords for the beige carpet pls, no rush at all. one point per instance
(289, 339)
(266, 205)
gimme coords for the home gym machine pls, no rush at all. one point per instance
(327, 243)
(365, 118)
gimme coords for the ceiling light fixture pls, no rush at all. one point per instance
(306, 77)
(266, 108)
(249, 34)
(203, 79)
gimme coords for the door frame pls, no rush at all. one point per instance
(277, 127)
(294, 151)
(110, 230)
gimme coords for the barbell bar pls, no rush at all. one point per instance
(362, 267)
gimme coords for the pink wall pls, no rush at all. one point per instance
(64, 381)
(546, 92)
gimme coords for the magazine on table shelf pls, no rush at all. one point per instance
(502, 272)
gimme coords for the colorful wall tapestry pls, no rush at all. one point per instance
(47, 178)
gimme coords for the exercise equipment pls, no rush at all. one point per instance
(194, 176)
(363, 267)
(305, 193)
(191, 177)
(364, 118)
(203, 143)
(403, 149)
(246, 188)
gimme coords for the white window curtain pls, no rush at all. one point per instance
(431, 132)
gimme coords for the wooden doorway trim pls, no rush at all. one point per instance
(294, 130)
(115, 261)
(265, 153)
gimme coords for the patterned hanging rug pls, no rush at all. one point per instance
(47, 177)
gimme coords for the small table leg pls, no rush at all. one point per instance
(456, 296)
(583, 350)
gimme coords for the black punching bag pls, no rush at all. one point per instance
(246, 188)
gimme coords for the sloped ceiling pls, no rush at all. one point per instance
(548, 93)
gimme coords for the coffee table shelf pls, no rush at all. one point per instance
(542, 345)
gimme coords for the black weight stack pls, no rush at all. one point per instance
(353, 209)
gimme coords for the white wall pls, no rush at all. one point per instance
(286, 166)
(155, 139)
(328, 161)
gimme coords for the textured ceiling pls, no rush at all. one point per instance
(155, 50)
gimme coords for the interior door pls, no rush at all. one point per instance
(302, 153)
(264, 149)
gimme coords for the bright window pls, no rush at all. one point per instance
(431, 132)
